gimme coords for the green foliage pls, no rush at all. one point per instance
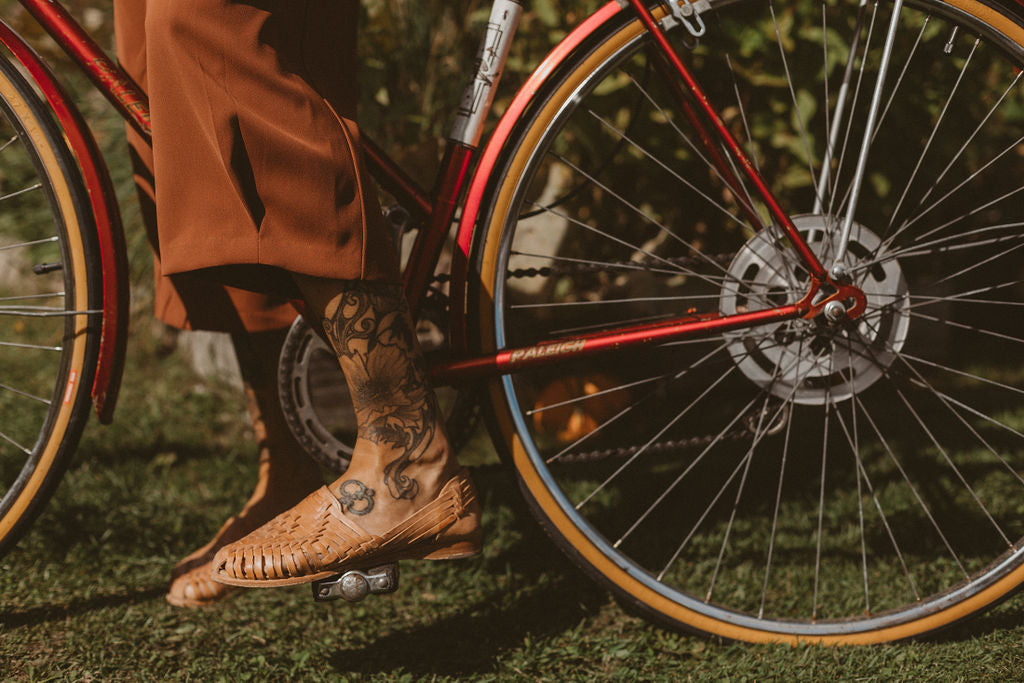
(418, 57)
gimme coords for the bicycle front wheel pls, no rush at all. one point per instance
(50, 300)
(850, 481)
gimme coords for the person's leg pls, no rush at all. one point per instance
(404, 495)
(286, 473)
(402, 451)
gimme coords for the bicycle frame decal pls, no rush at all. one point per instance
(476, 102)
(106, 75)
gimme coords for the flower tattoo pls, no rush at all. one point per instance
(377, 349)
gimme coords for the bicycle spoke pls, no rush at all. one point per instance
(602, 265)
(675, 174)
(759, 434)
(775, 512)
(913, 489)
(24, 297)
(18, 193)
(39, 347)
(743, 411)
(640, 212)
(934, 132)
(942, 451)
(819, 537)
(10, 141)
(960, 373)
(972, 328)
(30, 243)
(625, 243)
(43, 312)
(15, 444)
(861, 472)
(689, 143)
(567, 449)
(597, 394)
(792, 93)
(26, 394)
(909, 223)
(652, 440)
(970, 138)
(924, 384)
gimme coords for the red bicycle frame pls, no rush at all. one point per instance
(463, 172)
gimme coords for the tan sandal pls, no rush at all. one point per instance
(195, 588)
(191, 585)
(315, 540)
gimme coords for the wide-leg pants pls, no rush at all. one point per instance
(254, 170)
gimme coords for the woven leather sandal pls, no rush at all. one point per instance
(195, 588)
(315, 540)
(191, 585)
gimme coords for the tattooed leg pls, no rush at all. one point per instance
(402, 455)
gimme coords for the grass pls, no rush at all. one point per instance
(81, 598)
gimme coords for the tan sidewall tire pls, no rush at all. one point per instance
(76, 383)
(545, 503)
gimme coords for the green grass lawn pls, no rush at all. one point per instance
(81, 598)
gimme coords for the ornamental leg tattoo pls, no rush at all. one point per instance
(373, 335)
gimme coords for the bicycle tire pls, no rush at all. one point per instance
(50, 305)
(720, 507)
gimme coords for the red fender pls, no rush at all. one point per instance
(489, 157)
(114, 325)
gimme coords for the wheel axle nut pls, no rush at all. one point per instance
(834, 311)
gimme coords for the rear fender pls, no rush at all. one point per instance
(110, 233)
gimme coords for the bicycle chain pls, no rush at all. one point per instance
(580, 268)
(653, 449)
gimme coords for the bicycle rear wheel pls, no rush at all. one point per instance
(50, 300)
(855, 481)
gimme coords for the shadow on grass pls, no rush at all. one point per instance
(549, 596)
(48, 613)
(470, 642)
(1005, 618)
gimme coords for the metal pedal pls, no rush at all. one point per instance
(356, 584)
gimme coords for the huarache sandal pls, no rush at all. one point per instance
(191, 585)
(315, 540)
(195, 588)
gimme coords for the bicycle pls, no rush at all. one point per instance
(740, 282)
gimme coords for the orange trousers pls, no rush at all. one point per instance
(254, 170)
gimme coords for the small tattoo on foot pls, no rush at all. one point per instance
(356, 497)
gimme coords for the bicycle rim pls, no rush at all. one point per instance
(848, 482)
(48, 340)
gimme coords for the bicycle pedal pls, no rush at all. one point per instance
(356, 584)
